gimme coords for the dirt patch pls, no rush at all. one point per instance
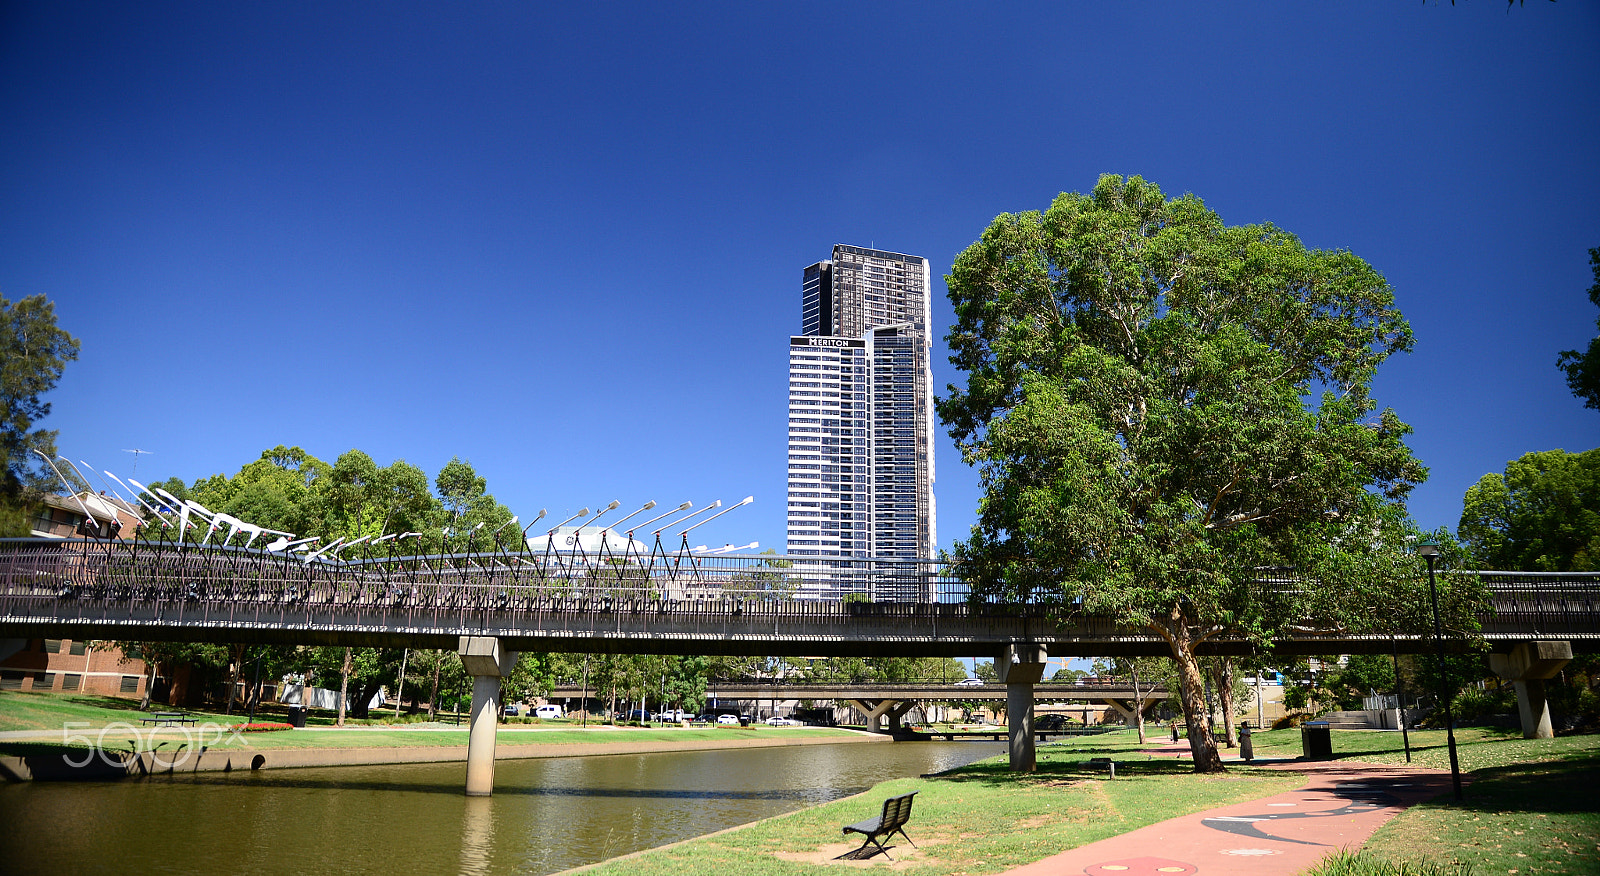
(904, 857)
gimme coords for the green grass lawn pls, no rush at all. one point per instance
(978, 819)
(51, 713)
(1532, 806)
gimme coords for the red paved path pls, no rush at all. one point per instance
(1340, 805)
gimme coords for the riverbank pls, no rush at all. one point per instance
(83, 754)
(1529, 803)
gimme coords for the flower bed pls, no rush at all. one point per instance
(259, 728)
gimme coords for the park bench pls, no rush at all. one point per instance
(896, 812)
(167, 719)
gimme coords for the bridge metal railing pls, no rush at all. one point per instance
(190, 583)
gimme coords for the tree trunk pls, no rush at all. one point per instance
(1225, 693)
(361, 700)
(150, 683)
(433, 695)
(344, 688)
(235, 666)
(1138, 701)
(1191, 687)
(400, 685)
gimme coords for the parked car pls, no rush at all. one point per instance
(970, 682)
(776, 721)
(640, 715)
(511, 709)
(727, 719)
(546, 712)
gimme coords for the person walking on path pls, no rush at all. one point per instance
(1339, 807)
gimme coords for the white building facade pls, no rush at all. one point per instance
(861, 410)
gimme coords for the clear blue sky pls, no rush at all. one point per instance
(564, 242)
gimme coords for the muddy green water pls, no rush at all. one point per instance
(545, 815)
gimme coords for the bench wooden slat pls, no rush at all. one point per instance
(896, 813)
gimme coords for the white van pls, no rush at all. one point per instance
(547, 712)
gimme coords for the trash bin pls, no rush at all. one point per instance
(297, 716)
(1316, 740)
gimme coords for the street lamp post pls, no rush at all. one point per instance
(1429, 550)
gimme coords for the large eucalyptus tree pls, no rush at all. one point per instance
(1171, 419)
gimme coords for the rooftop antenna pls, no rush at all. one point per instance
(136, 454)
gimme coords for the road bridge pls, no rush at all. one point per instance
(886, 703)
(491, 605)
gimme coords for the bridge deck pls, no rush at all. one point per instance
(144, 591)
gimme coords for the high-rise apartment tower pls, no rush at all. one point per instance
(861, 410)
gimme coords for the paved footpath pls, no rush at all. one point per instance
(1340, 805)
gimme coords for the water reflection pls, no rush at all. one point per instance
(545, 815)
(477, 835)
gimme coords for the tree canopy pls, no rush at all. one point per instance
(1170, 416)
(33, 354)
(1583, 369)
(1542, 515)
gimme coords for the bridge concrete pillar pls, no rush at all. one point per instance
(1021, 667)
(1128, 709)
(1527, 667)
(897, 711)
(877, 710)
(484, 660)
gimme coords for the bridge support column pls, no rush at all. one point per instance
(1021, 667)
(483, 659)
(1527, 667)
(1128, 709)
(876, 710)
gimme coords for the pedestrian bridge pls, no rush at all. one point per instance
(667, 603)
(490, 605)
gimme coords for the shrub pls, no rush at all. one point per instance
(1290, 721)
(1476, 706)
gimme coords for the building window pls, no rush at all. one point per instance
(10, 680)
(42, 681)
(78, 647)
(52, 646)
(71, 681)
(130, 684)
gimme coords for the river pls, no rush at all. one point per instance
(545, 815)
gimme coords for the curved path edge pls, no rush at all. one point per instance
(1341, 804)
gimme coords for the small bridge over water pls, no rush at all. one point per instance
(490, 605)
(880, 701)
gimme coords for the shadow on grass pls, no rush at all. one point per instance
(110, 704)
(1551, 787)
(1054, 770)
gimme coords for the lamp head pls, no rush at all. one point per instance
(1427, 548)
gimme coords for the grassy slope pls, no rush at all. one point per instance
(980, 819)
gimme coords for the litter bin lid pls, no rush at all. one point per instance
(1316, 724)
